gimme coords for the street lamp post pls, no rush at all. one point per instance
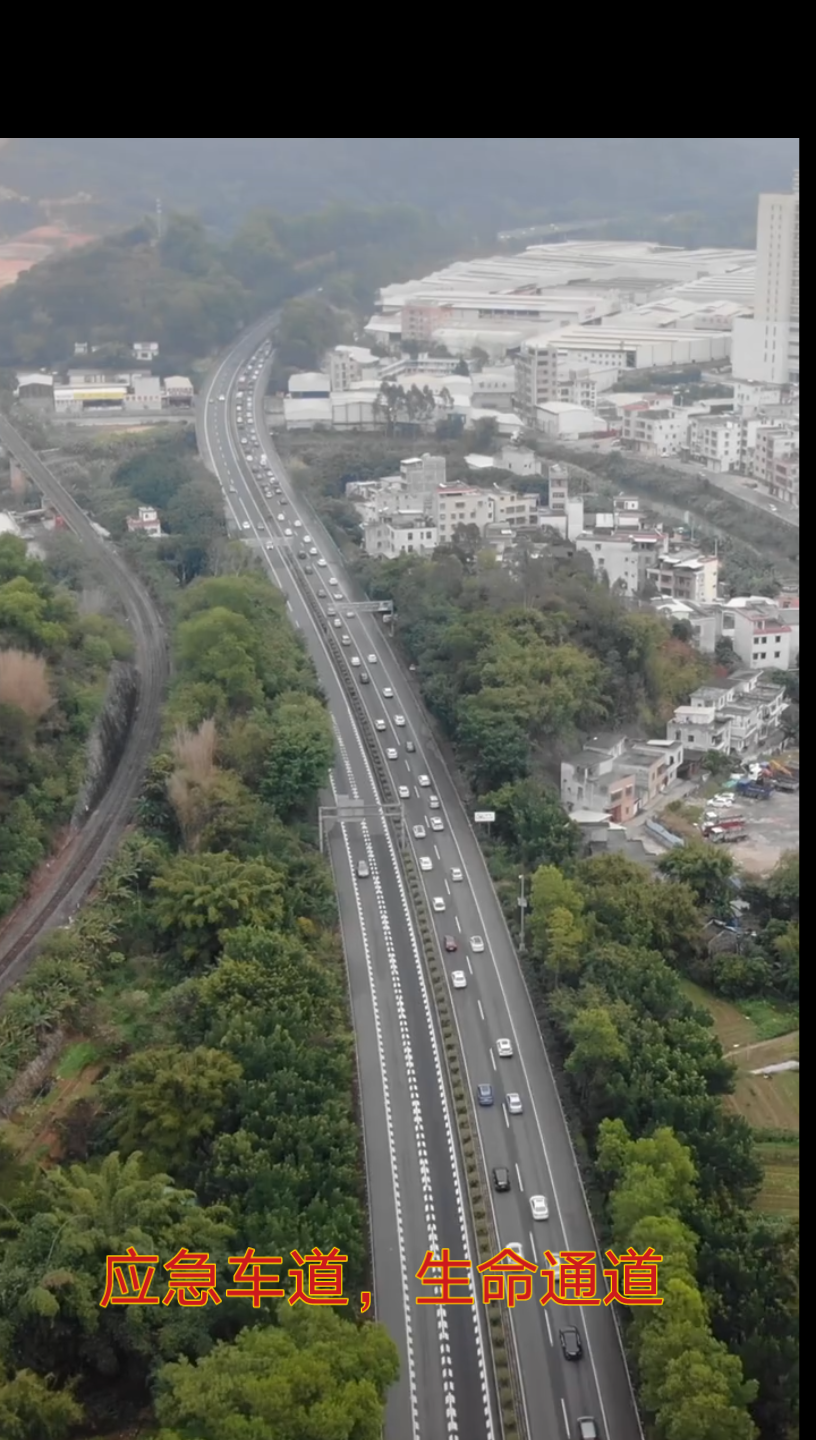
(522, 904)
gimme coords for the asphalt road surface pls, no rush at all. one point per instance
(415, 1187)
(78, 868)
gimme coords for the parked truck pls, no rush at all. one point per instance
(719, 836)
(751, 790)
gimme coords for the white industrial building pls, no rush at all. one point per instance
(309, 385)
(766, 347)
(558, 418)
(356, 409)
(306, 412)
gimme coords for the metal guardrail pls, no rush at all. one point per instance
(506, 1373)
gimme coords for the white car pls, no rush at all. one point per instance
(388, 693)
(504, 1049)
(298, 524)
(312, 548)
(424, 780)
(379, 724)
(270, 544)
(539, 1207)
(349, 614)
(433, 800)
(514, 1105)
(399, 719)
(476, 944)
(355, 660)
(244, 524)
(281, 518)
(345, 639)
(458, 980)
(321, 563)
(456, 874)
(419, 832)
(372, 659)
(287, 531)
(425, 862)
(391, 753)
(437, 824)
(404, 792)
(307, 540)
(516, 1246)
(438, 904)
(337, 623)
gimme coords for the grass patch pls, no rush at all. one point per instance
(780, 1192)
(769, 1019)
(75, 1058)
(744, 1022)
(767, 1102)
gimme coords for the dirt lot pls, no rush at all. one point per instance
(773, 827)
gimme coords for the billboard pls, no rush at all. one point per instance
(484, 817)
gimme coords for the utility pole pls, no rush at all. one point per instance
(522, 903)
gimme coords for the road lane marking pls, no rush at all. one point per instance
(436, 849)
(458, 924)
(470, 967)
(492, 1058)
(566, 1417)
(549, 1326)
(481, 1011)
(447, 887)
(506, 1117)
(518, 1172)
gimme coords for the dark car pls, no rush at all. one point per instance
(571, 1343)
(302, 555)
(410, 747)
(501, 1179)
(484, 1094)
(363, 677)
(450, 944)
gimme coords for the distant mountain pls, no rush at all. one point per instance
(102, 182)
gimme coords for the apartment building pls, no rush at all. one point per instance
(735, 718)
(685, 575)
(656, 432)
(456, 505)
(618, 777)
(624, 558)
(760, 636)
(396, 535)
(715, 441)
(766, 347)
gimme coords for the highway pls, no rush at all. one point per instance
(415, 1187)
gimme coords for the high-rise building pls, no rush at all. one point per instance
(766, 347)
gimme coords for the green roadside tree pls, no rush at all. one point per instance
(708, 871)
(31, 1408)
(313, 1375)
(169, 1102)
(300, 752)
(199, 897)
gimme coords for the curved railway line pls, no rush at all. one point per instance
(77, 868)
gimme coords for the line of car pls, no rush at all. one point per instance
(569, 1336)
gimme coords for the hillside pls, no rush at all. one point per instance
(102, 182)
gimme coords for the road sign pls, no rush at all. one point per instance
(484, 817)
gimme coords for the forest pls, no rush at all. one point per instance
(195, 1016)
(192, 293)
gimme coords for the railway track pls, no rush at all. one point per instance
(91, 844)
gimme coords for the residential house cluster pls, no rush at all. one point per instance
(763, 633)
(96, 392)
(618, 778)
(736, 717)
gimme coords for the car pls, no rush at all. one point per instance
(501, 1177)
(244, 524)
(298, 524)
(372, 659)
(363, 870)
(222, 398)
(261, 525)
(270, 544)
(774, 508)
(337, 623)
(345, 639)
(313, 550)
(379, 725)
(363, 677)
(280, 519)
(399, 719)
(425, 862)
(424, 781)
(514, 1105)
(458, 980)
(419, 832)
(504, 1049)
(333, 582)
(588, 1428)
(287, 531)
(484, 1094)
(476, 944)
(450, 944)
(456, 874)
(404, 792)
(350, 614)
(571, 1345)
(438, 904)
(307, 540)
(516, 1247)
(539, 1207)
(321, 595)
(410, 747)
(355, 660)
(437, 824)
(330, 610)
(301, 554)
(388, 693)
(433, 800)
(391, 753)
(321, 563)
(308, 569)
(282, 500)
